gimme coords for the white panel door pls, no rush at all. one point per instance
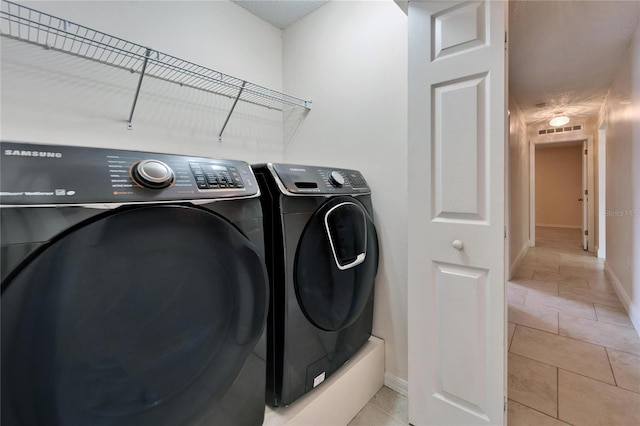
(457, 122)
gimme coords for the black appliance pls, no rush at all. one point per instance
(322, 260)
(134, 290)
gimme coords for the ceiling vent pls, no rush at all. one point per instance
(560, 129)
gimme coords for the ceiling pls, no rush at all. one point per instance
(562, 54)
(280, 13)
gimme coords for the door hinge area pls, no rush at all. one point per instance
(586, 192)
(586, 232)
(585, 152)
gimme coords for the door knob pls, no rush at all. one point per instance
(457, 244)
(580, 199)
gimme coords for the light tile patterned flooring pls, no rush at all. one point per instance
(574, 356)
(386, 408)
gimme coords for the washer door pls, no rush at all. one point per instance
(336, 263)
(144, 316)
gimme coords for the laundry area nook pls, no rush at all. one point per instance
(318, 213)
(167, 255)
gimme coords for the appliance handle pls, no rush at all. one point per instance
(361, 256)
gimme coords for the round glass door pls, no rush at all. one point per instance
(143, 316)
(336, 263)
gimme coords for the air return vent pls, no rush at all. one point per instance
(560, 129)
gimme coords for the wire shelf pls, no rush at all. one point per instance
(35, 27)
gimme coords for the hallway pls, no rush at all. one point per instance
(574, 356)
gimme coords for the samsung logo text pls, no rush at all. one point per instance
(20, 153)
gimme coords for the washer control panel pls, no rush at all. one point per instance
(216, 176)
(52, 174)
(315, 180)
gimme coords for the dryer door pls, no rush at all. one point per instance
(336, 263)
(143, 316)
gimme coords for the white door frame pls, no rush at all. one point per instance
(586, 203)
(590, 182)
(602, 190)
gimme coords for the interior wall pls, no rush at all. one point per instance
(56, 98)
(519, 182)
(622, 115)
(351, 58)
(559, 186)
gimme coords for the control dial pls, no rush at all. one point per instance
(152, 174)
(336, 179)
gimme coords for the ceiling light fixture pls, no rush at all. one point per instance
(559, 121)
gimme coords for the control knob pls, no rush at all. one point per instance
(336, 179)
(152, 174)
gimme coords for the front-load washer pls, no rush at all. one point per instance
(322, 260)
(134, 290)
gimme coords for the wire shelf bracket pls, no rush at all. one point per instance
(32, 26)
(135, 99)
(231, 111)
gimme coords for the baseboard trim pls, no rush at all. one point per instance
(553, 225)
(519, 258)
(632, 310)
(396, 383)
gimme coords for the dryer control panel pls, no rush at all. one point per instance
(33, 174)
(294, 179)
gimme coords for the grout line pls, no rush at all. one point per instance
(543, 306)
(590, 378)
(541, 362)
(620, 350)
(566, 337)
(381, 411)
(512, 336)
(611, 367)
(390, 414)
(619, 327)
(531, 408)
(558, 393)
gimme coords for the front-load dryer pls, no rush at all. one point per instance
(322, 260)
(134, 290)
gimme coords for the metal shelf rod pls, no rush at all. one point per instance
(231, 111)
(135, 99)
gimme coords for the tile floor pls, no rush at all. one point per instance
(386, 408)
(574, 356)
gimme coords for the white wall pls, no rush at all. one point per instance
(622, 115)
(350, 57)
(518, 186)
(56, 98)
